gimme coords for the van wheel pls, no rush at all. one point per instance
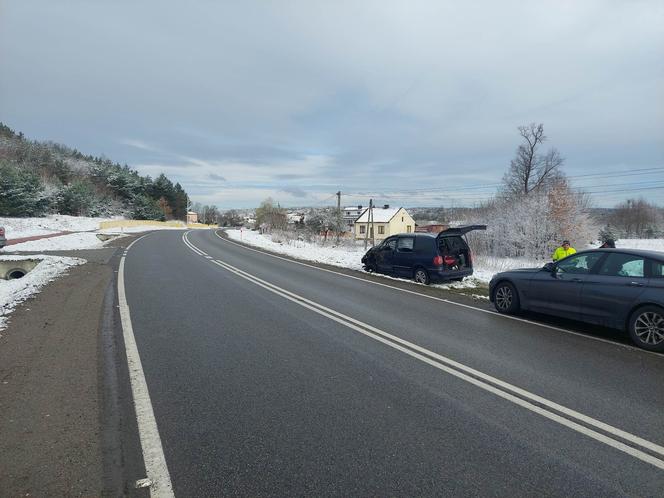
(646, 328)
(506, 298)
(421, 276)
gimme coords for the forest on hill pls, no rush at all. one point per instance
(39, 178)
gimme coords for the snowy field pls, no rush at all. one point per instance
(350, 256)
(13, 292)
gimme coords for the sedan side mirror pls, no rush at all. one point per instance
(550, 267)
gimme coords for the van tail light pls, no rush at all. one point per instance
(2, 232)
(438, 261)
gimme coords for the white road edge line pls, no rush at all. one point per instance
(508, 317)
(153, 452)
(398, 343)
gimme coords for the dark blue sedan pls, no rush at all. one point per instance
(617, 288)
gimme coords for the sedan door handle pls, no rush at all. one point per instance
(636, 284)
(577, 280)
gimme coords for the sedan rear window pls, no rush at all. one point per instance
(657, 269)
(623, 265)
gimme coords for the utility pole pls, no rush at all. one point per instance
(366, 233)
(373, 240)
(339, 220)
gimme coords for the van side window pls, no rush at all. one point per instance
(391, 243)
(406, 244)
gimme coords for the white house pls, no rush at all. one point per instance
(386, 221)
(349, 215)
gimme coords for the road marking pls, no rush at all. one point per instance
(494, 313)
(195, 249)
(153, 452)
(468, 374)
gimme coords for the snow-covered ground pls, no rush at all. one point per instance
(344, 256)
(69, 242)
(13, 292)
(644, 244)
(137, 229)
(350, 256)
(84, 236)
(17, 228)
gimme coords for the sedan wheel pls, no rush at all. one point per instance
(646, 327)
(505, 298)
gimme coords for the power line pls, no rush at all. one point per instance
(610, 174)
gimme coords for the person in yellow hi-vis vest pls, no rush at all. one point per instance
(563, 251)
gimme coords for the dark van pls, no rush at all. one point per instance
(424, 257)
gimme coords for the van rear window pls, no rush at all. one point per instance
(451, 244)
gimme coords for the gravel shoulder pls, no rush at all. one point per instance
(53, 393)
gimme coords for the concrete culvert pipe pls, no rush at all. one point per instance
(16, 273)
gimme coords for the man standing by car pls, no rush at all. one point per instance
(563, 251)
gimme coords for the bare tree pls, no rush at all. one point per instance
(531, 171)
(637, 218)
(269, 216)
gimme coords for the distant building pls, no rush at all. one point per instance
(349, 215)
(386, 221)
(296, 218)
(192, 217)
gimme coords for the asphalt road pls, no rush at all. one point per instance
(272, 378)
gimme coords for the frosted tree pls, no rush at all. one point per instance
(530, 170)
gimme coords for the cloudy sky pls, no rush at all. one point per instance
(409, 102)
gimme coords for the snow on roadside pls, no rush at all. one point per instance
(137, 229)
(346, 257)
(83, 236)
(484, 267)
(351, 257)
(13, 292)
(69, 242)
(17, 228)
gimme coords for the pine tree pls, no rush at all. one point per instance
(75, 199)
(22, 194)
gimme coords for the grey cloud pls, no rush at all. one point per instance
(406, 97)
(294, 191)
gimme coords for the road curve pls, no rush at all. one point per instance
(272, 378)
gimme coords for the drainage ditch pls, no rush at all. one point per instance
(11, 270)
